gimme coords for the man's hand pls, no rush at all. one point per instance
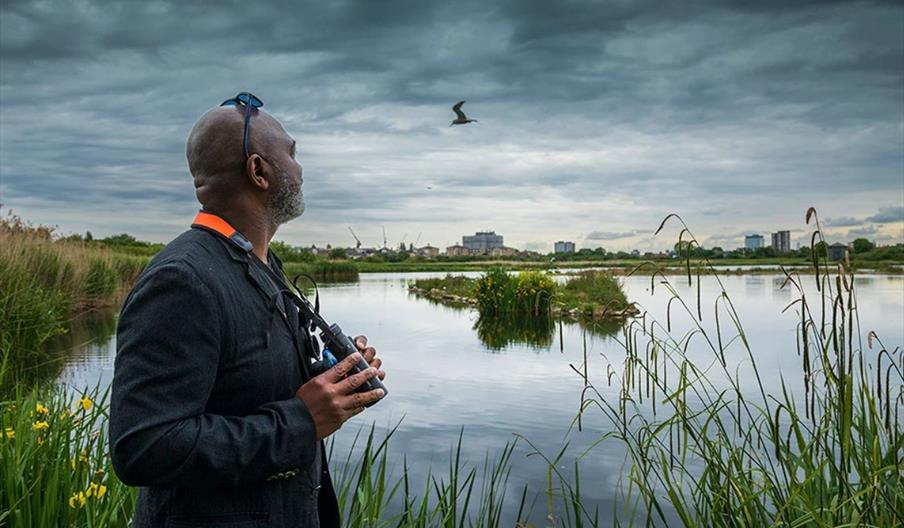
(331, 398)
(370, 355)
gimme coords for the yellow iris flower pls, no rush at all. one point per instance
(85, 403)
(40, 409)
(77, 500)
(96, 490)
(40, 426)
(10, 433)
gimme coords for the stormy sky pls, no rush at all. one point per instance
(596, 119)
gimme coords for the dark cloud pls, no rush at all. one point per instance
(887, 215)
(591, 114)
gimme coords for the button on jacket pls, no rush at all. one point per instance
(203, 415)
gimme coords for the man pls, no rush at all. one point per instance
(219, 410)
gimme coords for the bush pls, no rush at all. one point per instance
(591, 290)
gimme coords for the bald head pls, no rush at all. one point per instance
(214, 149)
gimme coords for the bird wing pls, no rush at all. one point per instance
(457, 110)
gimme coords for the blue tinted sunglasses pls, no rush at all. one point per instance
(249, 101)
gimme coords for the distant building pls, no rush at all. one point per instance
(482, 242)
(503, 252)
(457, 251)
(564, 247)
(428, 251)
(781, 241)
(837, 251)
(753, 241)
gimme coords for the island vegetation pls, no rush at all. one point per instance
(595, 295)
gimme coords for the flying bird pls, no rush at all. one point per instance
(462, 119)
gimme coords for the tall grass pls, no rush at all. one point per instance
(44, 280)
(704, 449)
(54, 465)
(55, 470)
(370, 495)
(527, 293)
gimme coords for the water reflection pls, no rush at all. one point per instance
(93, 327)
(498, 332)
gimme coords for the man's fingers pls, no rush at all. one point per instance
(361, 399)
(349, 384)
(361, 342)
(369, 354)
(341, 369)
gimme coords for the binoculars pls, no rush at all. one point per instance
(341, 346)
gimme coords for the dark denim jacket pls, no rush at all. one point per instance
(203, 414)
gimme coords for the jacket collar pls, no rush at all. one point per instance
(240, 248)
(239, 245)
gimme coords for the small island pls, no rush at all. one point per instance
(590, 295)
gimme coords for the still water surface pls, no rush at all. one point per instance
(445, 374)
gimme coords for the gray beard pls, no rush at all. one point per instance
(287, 201)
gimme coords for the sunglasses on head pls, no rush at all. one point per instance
(249, 101)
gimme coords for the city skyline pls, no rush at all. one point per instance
(595, 121)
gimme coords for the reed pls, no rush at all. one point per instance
(370, 495)
(45, 280)
(703, 449)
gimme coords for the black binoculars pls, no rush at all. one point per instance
(342, 346)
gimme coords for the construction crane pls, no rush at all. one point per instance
(357, 240)
(384, 236)
(418, 238)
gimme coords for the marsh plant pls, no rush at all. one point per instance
(45, 280)
(707, 445)
(55, 469)
(528, 293)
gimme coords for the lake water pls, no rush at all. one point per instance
(444, 374)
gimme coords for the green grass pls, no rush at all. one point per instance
(825, 450)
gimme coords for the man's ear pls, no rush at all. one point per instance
(258, 172)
